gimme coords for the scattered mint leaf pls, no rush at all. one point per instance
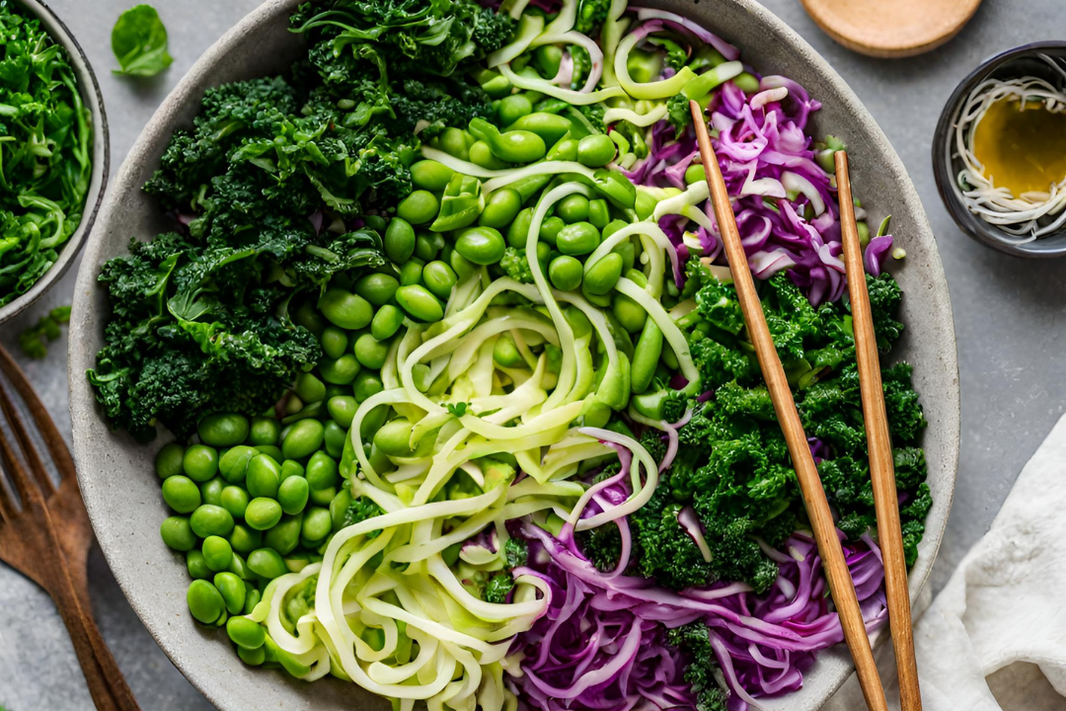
(139, 41)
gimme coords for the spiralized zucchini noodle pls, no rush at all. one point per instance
(1029, 215)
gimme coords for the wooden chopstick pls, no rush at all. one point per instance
(825, 532)
(882, 471)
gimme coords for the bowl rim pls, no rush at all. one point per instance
(92, 96)
(973, 226)
(85, 410)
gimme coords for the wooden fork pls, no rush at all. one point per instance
(45, 533)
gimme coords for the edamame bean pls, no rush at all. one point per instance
(303, 439)
(169, 460)
(197, 566)
(377, 288)
(309, 317)
(252, 657)
(317, 524)
(264, 430)
(211, 491)
(550, 127)
(309, 388)
(439, 278)
(211, 520)
(232, 590)
(453, 142)
(267, 563)
(573, 208)
(342, 409)
(345, 309)
(292, 495)
(511, 108)
(234, 463)
(338, 508)
(177, 533)
(694, 174)
(275, 452)
(291, 467)
(334, 439)
(746, 82)
(285, 536)
(481, 155)
(577, 239)
(462, 266)
(251, 599)
(411, 272)
(430, 175)
(321, 472)
(387, 321)
(512, 146)
(547, 59)
(239, 568)
(629, 313)
(565, 273)
(373, 421)
(421, 375)
(245, 633)
(223, 429)
(598, 300)
(501, 209)
(322, 497)
(418, 208)
(263, 478)
(428, 245)
(645, 204)
(564, 149)
(505, 352)
(646, 356)
(399, 240)
(262, 514)
(601, 277)
(595, 150)
(244, 539)
(200, 462)
(205, 602)
(419, 303)
(394, 438)
(235, 500)
(370, 352)
(481, 245)
(218, 554)
(518, 232)
(550, 229)
(341, 371)
(181, 494)
(599, 214)
(366, 385)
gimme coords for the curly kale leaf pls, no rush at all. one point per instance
(498, 588)
(701, 670)
(515, 265)
(362, 509)
(885, 298)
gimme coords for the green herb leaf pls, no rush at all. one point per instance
(34, 341)
(139, 41)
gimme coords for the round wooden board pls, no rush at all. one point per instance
(892, 28)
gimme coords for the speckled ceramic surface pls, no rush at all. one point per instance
(116, 474)
(90, 95)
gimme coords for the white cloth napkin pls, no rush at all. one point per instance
(1005, 603)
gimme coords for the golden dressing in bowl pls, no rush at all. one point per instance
(1021, 146)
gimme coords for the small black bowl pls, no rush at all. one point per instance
(1017, 62)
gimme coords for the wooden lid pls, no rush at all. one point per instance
(897, 28)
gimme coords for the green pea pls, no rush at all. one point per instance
(637, 277)
(296, 607)
(516, 146)
(285, 536)
(252, 657)
(262, 514)
(399, 240)
(317, 524)
(370, 352)
(341, 371)
(629, 313)
(233, 592)
(235, 500)
(864, 233)
(573, 208)
(234, 463)
(394, 438)
(342, 409)
(245, 633)
(321, 471)
(375, 222)
(181, 494)
(211, 520)
(564, 149)
(599, 214)
(197, 566)
(345, 309)
(481, 155)
(627, 252)
(387, 321)
(373, 421)
(411, 272)
(211, 491)
(462, 266)
(512, 108)
(550, 229)
(309, 388)
(547, 59)
(421, 375)
(244, 539)
(577, 239)
(292, 495)
(550, 127)
(419, 303)
(428, 245)
(267, 563)
(205, 602)
(601, 277)
(430, 175)
(506, 353)
(322, 497)
(518, 232)
(251, 599)
(379, 461)
(239, 568)
(275, 452)
(218, 553)
(263, 478)
(291, 467)
(293, 405)
(338, 508)
(439, 278)
(453, 142)
(746, 82)
(223, 429)
(377, 288)
(481, 245)
(646, 356)
(694, 174)
(200, 462)
(595, 150)
(304, 438)
(565, 273)
(598, 300)
(334, 439)
(367, 385)
(264, 430)
(418, 208)
(169, 460)
(501, 209)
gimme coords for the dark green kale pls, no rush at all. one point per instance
(602, 546)
(34, 340)
(515, 265)
(678, 113)
(885, 298)
(693, 640)
(515, 552)
(499, 587)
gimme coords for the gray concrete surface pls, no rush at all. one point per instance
(1010, 319)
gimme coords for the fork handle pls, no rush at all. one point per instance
(107, 684)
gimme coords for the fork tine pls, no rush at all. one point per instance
(54, 441)
(29, 493)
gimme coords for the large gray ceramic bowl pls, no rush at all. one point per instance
(116, 475)
(90, 95)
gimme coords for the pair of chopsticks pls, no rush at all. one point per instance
(876, 420)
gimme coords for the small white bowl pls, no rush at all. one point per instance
(94, 100)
